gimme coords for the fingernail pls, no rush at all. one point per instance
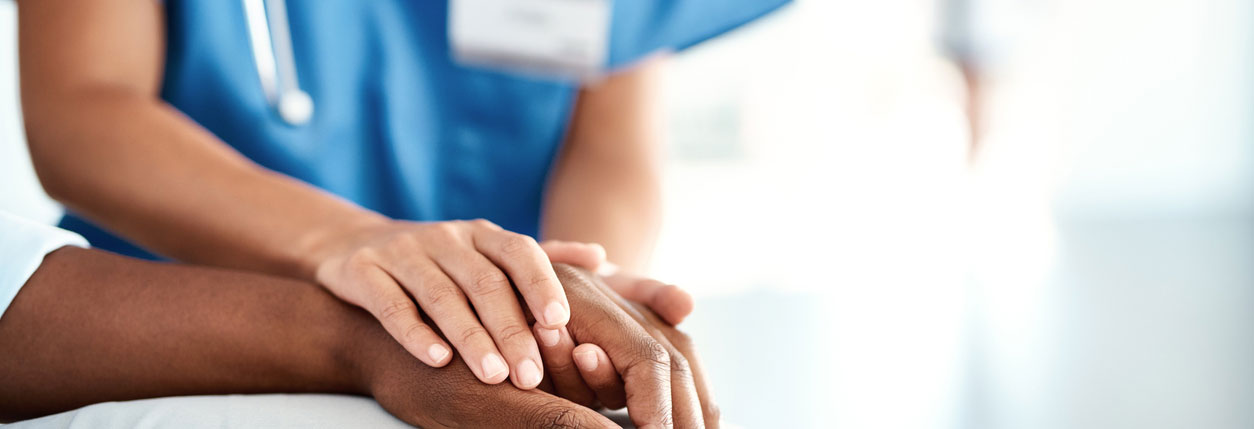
(529, 373)
(437, 353)
(548, 337)
(493, 366)
(587, 361)
(556, 315)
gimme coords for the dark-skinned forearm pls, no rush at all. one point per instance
(91, 326)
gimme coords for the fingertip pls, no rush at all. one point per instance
(588, 357)
(493, 369)
(674, 318)
(528, 375)
(439, 355)
(598, 251)
(547, 337)
(555, 316)
(675, 303)
(587, 255)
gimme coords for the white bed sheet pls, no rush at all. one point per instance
(273, 411)
(225, 412)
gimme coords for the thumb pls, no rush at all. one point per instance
(670, 302)
(588, 256)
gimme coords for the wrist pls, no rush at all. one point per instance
(319, 245)
(359, 351)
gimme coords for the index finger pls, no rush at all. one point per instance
(709, 409)
(689, 407)
(399, 316)
(689, 391)
(642, 361)
(532, 273)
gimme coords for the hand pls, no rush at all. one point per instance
(645, 364)
(667, 300)
(451, 398)
(446, 267)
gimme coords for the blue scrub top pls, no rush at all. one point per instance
(399, 127)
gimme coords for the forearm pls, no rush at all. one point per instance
(105, 144)
(143, 170)
(90, 327)
(615, 206)
(605, 187)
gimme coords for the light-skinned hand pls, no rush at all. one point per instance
(463, 276)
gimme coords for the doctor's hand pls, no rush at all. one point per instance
(669, 301)
(462, 275)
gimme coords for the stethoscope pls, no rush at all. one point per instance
(276, 65)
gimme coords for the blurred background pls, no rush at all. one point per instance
(950, 213)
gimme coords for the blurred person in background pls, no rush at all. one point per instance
(350, 144)
(977, 36)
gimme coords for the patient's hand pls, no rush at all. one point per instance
(645, 364)
(453, 397)
(626, 355)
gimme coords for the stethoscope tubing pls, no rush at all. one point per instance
(271, 42)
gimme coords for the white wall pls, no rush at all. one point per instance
(1144, 108)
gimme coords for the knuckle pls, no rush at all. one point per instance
(679, 364)
(415, 331)
(488, 282)
(473, 333)
(654, 353)
(483, 224)
(442, 294)
(403, 242)
(556, 418)
(540, 281)
(444, 230)
(560, 367)
(712, 412)
(395, 310)
(513, 334)
(362, 259)
(518, 243)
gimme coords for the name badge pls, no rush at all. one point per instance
(565, 39)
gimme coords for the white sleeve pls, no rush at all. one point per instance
(23, 245)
